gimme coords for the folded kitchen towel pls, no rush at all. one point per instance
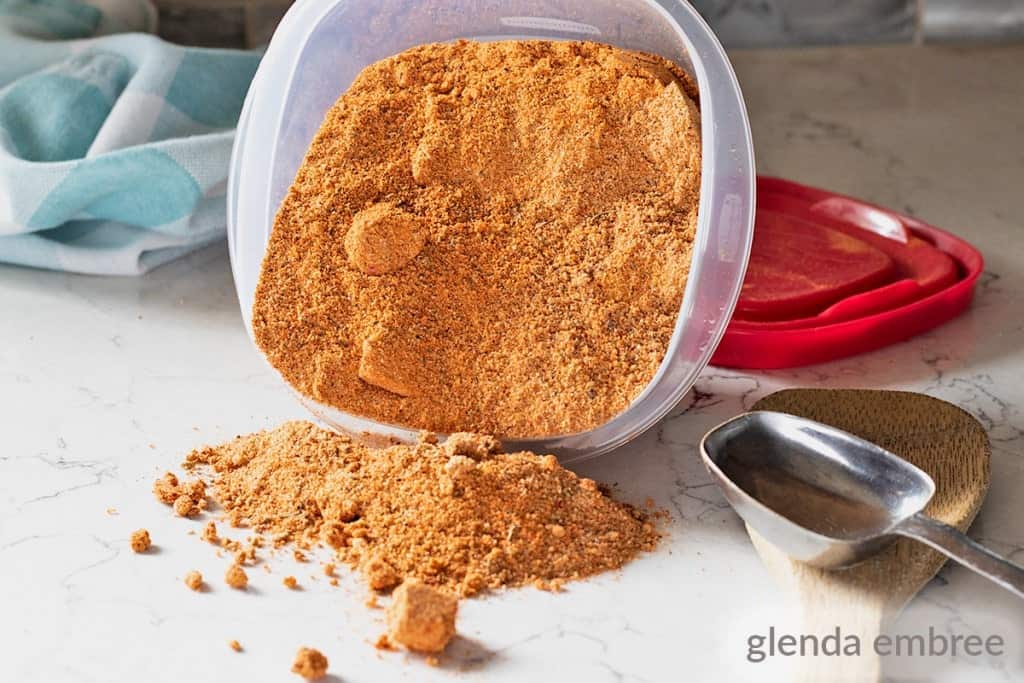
(114, 145)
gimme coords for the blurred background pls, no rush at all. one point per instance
(739, 23)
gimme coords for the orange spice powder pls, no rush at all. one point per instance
(461, 515)
(487, 237)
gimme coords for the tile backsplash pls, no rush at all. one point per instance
(739, 23)
(973, 20)
(769, 23)
(762, 23)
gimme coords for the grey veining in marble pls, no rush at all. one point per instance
(106, 383)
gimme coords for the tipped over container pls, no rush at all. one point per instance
(322, 45)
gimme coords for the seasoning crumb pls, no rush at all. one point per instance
(245, 555)
(187, 499)
(329, 569)
(333, 581)
(459, 466)
(299, 556)
(383, 239)
(112, 512)
(235, 645)
(236, 577)
(194, 580)
(166, 488)
(472, 446)
(380, 574)
(184, 507)
(383, 642)
(140, 541)
(552, 586)
(210, 532)
(310, 664)
(433, 661)
(421, 617)
(371, 601)
(290, 582)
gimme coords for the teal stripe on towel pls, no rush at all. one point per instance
(54, 115)
(211, 88)
(139, 186)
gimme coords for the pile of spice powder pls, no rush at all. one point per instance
(459, 515)
(487, 237)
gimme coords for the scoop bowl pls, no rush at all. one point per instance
(831, 499)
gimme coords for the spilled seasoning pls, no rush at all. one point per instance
(488, 237)
(461, 515)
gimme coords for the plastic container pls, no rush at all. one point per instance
(322, 45)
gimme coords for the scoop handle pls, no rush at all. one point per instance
(959, 547)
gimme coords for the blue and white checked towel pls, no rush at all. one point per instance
(114, 146)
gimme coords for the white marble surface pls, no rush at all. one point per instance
(105, 383)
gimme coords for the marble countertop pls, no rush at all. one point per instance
(105, 383)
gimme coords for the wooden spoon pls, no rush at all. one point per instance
(938, 437)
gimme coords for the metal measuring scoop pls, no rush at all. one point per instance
(831, 499)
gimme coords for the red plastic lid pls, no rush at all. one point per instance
(831, 276)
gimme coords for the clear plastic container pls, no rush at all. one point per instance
(321, 45)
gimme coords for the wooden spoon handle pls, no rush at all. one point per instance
(826, 601)
(859, 619)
